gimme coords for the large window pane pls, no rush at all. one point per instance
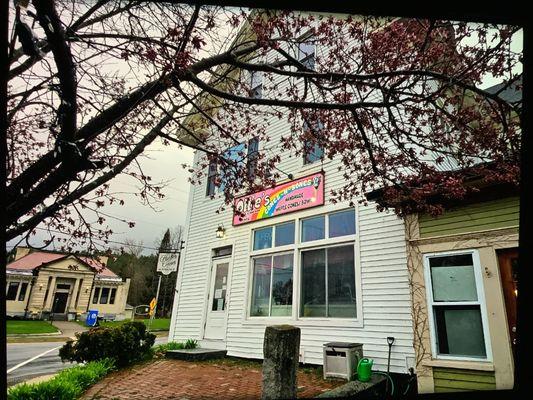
(313, 292)
(12, 291)
(452, 278)
(263, 238)
(282, 286)
(342, 223)
(261, 286)
(459, 331)
(104, 296)
(285, 234)
(96, 294)
(341, 282)
(23, 289)
(313, 228)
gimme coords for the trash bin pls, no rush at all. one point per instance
(92, 317)
(341, 359)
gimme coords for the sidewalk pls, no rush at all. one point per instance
(69, 328)
(176, 379)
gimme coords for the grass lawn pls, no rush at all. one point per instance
(159, 324)
(16, 327)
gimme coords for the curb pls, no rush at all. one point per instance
(38, 379)
(35, 335)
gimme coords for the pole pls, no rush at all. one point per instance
(156, 300)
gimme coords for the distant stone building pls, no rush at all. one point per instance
(40, 284)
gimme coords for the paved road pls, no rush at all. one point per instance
(43, 360)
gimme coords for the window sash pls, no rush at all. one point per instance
(96, 295)
(12, 290)
(104, 296)
(480, 302)
(112, 295)
(270, 287)
(23, 290)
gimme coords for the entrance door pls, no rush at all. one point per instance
(508, 262)
(60, 303)
(215, 323)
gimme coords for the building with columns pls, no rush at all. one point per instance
(42, 284)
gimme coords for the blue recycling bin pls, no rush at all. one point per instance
(92, 317)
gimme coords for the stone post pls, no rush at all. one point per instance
(281, 353)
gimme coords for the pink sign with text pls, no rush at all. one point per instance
(288, 197)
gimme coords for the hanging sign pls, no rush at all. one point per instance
(288, 197)
(167, 263)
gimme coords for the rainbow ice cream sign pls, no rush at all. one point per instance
(288, 197)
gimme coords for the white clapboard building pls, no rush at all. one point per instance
(339, 273)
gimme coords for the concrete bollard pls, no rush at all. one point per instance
(281, 349)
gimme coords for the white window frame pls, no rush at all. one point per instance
(297, 247)
(480, 301)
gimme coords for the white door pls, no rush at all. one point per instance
(215, 324)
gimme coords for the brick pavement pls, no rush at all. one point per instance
(176, 379)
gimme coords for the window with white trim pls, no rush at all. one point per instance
(256, 84)
(455, 301)
(324, 278)
(306, 53)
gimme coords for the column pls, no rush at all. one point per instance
(72, 306)
(51, 292)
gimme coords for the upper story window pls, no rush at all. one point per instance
(236, 154)
(456, 305)
(313, 151)
(256, 84)
(277, 235)
(341, 223)
(306, 53)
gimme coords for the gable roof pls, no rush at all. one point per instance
(38, 259)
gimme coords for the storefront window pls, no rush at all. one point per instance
(456, 306)
(275, 299)
(342, 223)
(263, 238)
(285, 234)
(313, 228)
(326, 278)
(328, 283)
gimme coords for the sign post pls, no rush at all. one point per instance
(167, 262)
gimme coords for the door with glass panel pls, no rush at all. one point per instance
(215, 324)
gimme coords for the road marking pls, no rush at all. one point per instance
(31, 359)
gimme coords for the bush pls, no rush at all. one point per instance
(125, 344)
(69, 384)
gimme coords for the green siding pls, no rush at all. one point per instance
(454, 380)
(476, 217)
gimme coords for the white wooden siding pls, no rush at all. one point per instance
(386, 304)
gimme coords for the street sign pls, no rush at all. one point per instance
(167, 263)
(152, 306)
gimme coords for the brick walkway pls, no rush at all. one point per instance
(176, 379)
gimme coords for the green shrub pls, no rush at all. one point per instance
(125, 344)
(163, 348)
(191, 344)
(69, 384)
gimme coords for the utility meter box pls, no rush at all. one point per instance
(341, 359)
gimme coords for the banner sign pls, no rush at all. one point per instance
(288, 197)
(167, 263)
